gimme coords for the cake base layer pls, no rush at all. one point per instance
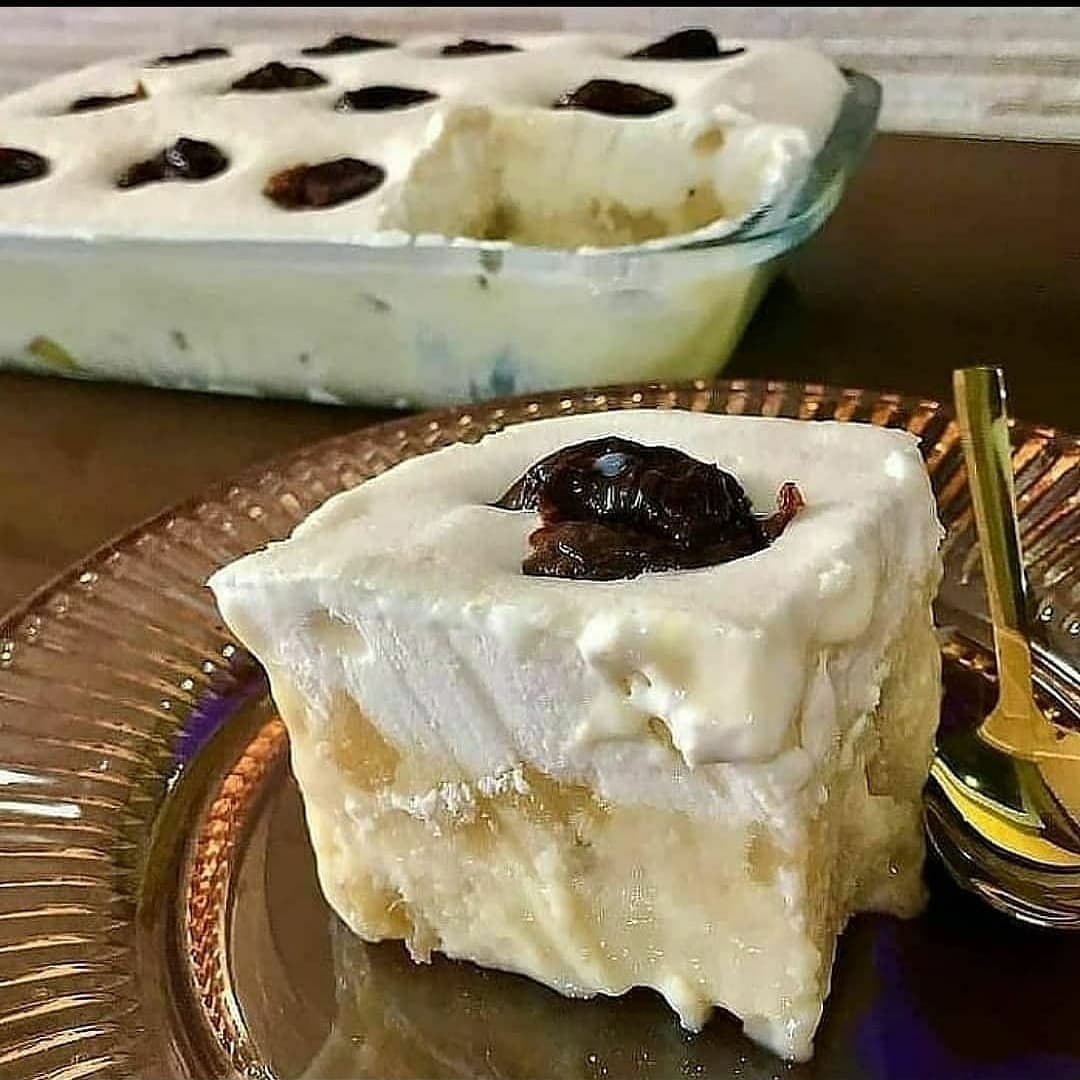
(525, 873)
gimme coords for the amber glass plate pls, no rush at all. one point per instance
(159, 911)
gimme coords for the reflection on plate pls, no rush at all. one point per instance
(159, 912)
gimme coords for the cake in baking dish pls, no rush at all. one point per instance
(415, 220)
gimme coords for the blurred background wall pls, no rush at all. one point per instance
(991, 71)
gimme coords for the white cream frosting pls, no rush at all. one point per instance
(744, 128)
(699, 690)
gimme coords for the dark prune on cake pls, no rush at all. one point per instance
(18, 166)
(613, 508)
(695, 43)
(474, 47)
(278, 76)
(343, 44)
(93, 102)
(306, 187)
(615, 98)
(186, 159)
(382, 98)
(192, 56)
(589, 551)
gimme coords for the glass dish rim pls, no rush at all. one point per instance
(837, 159)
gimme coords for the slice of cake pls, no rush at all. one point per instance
(640, 699)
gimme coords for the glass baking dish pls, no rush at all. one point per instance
(408, 326)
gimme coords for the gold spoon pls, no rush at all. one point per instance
(1004, 798)
(1017, 726)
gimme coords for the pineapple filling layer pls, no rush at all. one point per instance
(521, 872)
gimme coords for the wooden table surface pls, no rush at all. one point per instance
(944, 252)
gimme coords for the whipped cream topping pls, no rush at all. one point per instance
(487, 157)
(698, 689)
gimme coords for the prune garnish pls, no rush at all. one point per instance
(106, 101)
(693, 44)
(654, 489)
(304, 187)
(343, 44)
(206, 52)
(612, 508)
(382, 98)
(474, 47)
(279, 76)
(17, 166)
(615, 98)
(186, 159)
(587, 551)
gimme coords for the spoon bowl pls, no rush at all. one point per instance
(981, 805)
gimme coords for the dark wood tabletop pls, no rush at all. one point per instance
(943, 252)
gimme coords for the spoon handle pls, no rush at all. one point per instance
(980, 403)
(980, 406)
